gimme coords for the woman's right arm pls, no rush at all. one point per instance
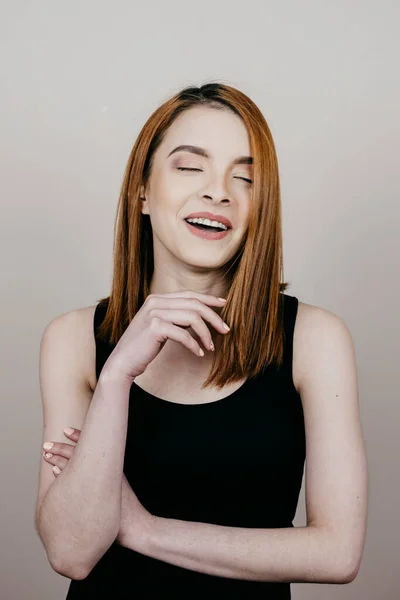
(78, 512)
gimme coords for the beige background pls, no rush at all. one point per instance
(78, 80)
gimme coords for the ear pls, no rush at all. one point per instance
(145, 204)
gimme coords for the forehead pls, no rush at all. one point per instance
(221, 132)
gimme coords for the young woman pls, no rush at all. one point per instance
(189, 439)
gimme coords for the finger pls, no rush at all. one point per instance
(56, 461)
(185, 318)
(188, 304)
(165, 329)
(74, 435)
(193, 318)
(61, 449)
(207, 298)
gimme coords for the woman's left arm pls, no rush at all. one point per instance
(329, 548)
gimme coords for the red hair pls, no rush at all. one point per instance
(254, 307)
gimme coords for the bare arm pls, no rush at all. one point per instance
(329, 548)
(78, 518)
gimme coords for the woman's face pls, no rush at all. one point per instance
(219, 185)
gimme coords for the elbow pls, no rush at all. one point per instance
(61, 565)
(76, 565)
(77, 572)
(350, 572)
(56, 561)
(346, 573)
(68, 559)
(344, 560)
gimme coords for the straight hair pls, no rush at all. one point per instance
(254, 306)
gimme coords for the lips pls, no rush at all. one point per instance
(207, 234)
(208, 215)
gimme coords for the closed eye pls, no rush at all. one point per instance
(190, 169)
(187, 169)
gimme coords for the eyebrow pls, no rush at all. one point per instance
(241, 160)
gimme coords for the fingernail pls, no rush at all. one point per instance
(48, 455)
(68, 430)
(212, 346)
(226, 327)
(48, 445)
(222, 299)
(56, 470)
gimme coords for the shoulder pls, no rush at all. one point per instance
(317, 331)
(77, 326)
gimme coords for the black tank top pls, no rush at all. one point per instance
(236, 462)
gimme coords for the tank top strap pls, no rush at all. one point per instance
(290, 307)
(103, 349)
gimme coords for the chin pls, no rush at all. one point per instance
(202, 262)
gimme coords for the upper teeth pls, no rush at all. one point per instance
(207, 222)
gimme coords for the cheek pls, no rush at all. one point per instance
(170, 197)
(168, 190)
(245, 207)
(166, 207)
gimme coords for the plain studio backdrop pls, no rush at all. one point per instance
(78, 81)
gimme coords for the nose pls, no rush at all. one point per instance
(216, 190)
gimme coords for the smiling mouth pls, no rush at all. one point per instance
(202, 226)
(206, 232)
(206, 227)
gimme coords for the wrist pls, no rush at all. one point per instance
(150, 535)
(140, 534)
(111, 376)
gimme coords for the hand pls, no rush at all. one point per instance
(164, 316)
(136, 522)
